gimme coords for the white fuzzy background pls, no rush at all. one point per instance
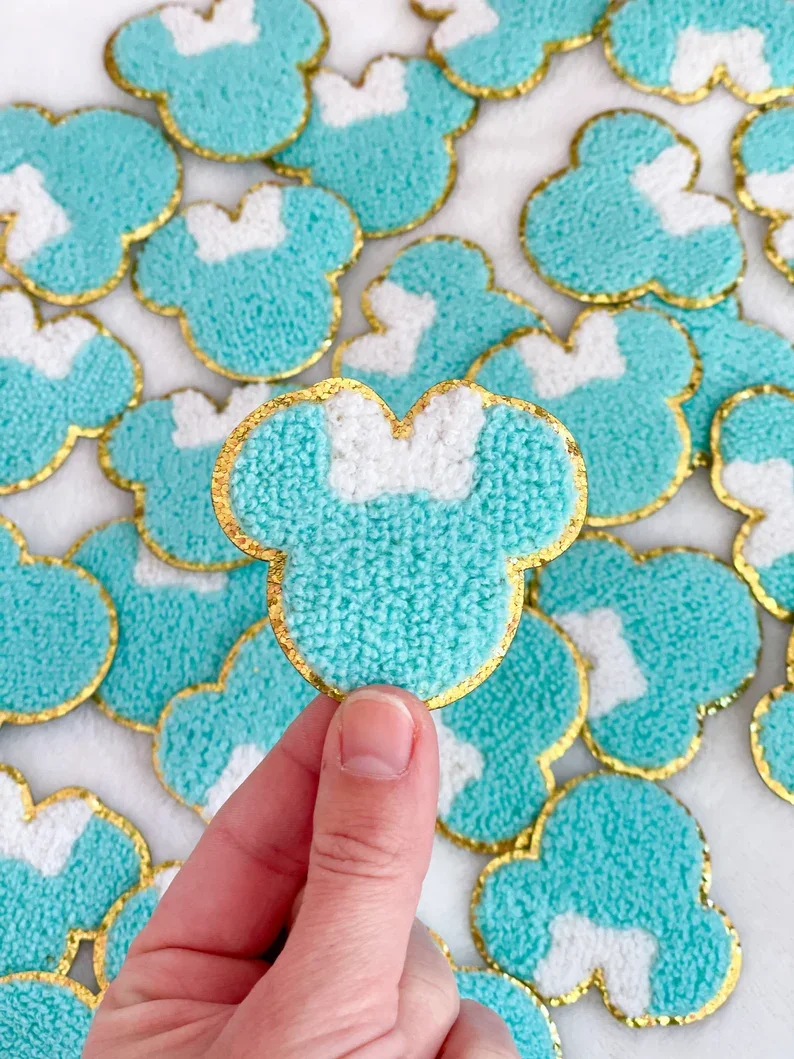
(51, 53)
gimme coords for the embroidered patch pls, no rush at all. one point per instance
(497, 745)
(398, 546)
(612, 892)
(75, 192)
(211, 737)
(400, 121)
(165, 452)
(624, 219)
(763, 157)
(431, 313)
(126, 919)
(175, 626)
(230, 82)
(60, 380)
(44, 1016)
(772, 735)
(622, 376)
(670, 636)
(497, 49)
(255, 290)
(752, 444)
(63, 862)
(682, 49)
(734, 353)
(58, 633)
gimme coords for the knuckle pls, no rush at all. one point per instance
(369, 851)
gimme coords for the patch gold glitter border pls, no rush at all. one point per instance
(544, 760)
(160, 98)
(757, 723)
(98, 808)
(74, 432)
(550, 49)
(401, 428)
(718, 76)
(26, 558)
(126, 238)
(675, 404)
(704, 710)
(752, 515)
(529, 848)
(304, 174)
(332, 279)
(101, 938)
(652, 286)
(60, 981)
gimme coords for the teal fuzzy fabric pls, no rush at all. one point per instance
(42, 1019)
(775, 740)
(533, 1033)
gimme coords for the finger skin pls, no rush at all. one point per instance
(429, 1001)
(479, 1033)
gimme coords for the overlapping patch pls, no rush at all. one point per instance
(682, 49)
(398, 546)
(230, 82)
(772, 734)
(497, 49)
(75, 192)
(431, 313)
(58, 634)
(618, 384)
(175, 626)
(400, 120)
(625, 219)
(670, 636)
(44, 1016)
(255, 289)
(612, 892)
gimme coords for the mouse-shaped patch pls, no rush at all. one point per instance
(752, 444)
(432, 312)
(44, 1016)
(58, 634)
(625, 219)
(75, 192)
(255, 289)
(63, 862)
(497, 49)
(618, 384)
(670, 636)
(398, 547)
(772, 734)
(612, 891)
(212, 736)
(385, 144)
(230, 82)
(175, 626)
(682, 49)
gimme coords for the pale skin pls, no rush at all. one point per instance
(326, 845)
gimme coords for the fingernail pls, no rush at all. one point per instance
(377, 734)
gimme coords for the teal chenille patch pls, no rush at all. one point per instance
(683, 48)
(399, 560)
(734, 353)
(76, 190)
(57, 636)
(763, 157)
(772, 735)
(232, 86)
(502, 48)
(497, 744)
(211, 737)
(59, 380)
(165, 451)
(533, 1032)
(615, 882)
(175, 626)
(669, 636)
(432, 312)
(255, 291)
(753, 472)
(62, 865)
(43, 1016)
(624, 219)
(400, 122)
(618, 384)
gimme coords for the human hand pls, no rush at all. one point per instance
(328, 842)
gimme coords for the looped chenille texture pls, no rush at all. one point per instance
(126, 919)
(533, 1032)
(43, 1017)
(400, 557)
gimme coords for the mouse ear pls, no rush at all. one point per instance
(321, 227)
